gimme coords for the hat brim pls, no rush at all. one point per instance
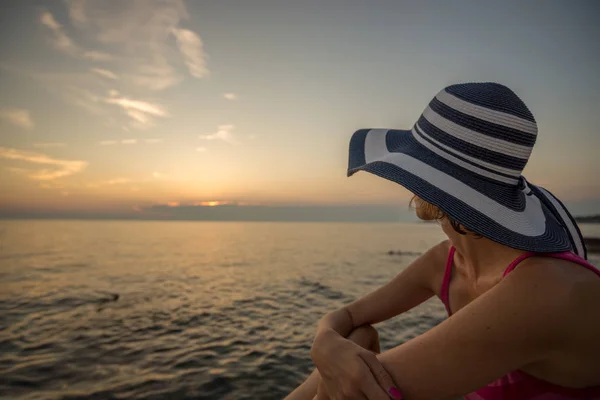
(508, 214)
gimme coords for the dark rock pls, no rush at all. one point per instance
(403, 253)
(592, 244)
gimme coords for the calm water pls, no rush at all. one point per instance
(204, 310)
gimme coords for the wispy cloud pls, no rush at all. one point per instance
(105, 73)
(60, 38)
(223, 133)
(150, 50)
(201, 149)
(230, 96)
(157, 75)
(158, 175)
(59, 168)
(77, 11)
(192, 49)
(142, 31)
(138, 105)
(130, 141)
(110, 182)
(49, 145)
(97, 56)
(142, 112)
(83, 98)
(64, 43)
(18, 117)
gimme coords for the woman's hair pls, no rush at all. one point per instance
(428, 212)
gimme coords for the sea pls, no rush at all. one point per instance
(188, 310)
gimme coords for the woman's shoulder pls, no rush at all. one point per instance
(561, 275)
(440, 251)
(433, 262)
(563, 296)
(572, 290)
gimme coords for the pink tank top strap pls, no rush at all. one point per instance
(564, 256)
(444, 292)
(517, 261)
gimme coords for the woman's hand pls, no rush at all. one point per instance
(348, 371)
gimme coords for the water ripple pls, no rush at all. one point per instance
(207, 311)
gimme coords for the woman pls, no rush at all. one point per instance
(524, 321)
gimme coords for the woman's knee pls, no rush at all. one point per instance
(366, 336)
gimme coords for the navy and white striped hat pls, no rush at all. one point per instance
(465, 155)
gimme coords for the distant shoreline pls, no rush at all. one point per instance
(589, 219)
(582, 220)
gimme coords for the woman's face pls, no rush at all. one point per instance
(448, 229)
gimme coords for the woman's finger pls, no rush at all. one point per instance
(372, 390)
(381, 376)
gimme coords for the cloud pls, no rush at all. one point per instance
(18, 117)
(158, 175)
(64, 43)
(130, 141)
(84, 98)
(48, 145)
(118, 181)
(230, 96)
(85, 90)
(149, 50)
(201, 149)
(141, 112)
(105, 73)
(59, 168)
(157, 75)
(60, 38)
(97, 56)
(142, 32)
(192, 49)
(110, 182)
(138, 105)
(77, 12)
(136, 22)
(223, 133)
(140, 117)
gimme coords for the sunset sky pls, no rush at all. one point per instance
(119, 106)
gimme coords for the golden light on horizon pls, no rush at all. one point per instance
(212, 203)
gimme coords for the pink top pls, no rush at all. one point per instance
(518, 385)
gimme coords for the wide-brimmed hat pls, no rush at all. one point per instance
(465, 155)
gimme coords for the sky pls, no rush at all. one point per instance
(125, 107)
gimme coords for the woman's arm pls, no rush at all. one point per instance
(415, 284)
(517, 323)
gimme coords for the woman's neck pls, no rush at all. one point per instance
(480, 256)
